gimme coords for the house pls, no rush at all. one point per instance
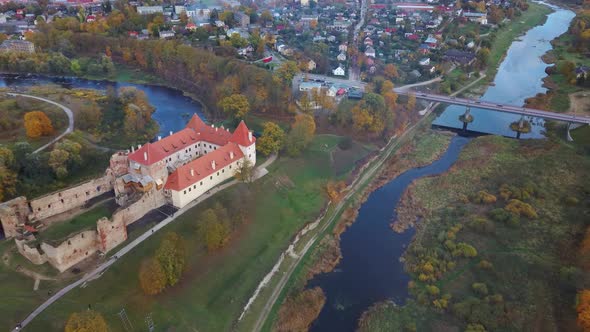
(147, 10)
(582, 72)
(190, 162)
(424, 62)
(311, 65)
(308, 86)
(332, 91)
(341, 57)
(343, 48)
(166, 34)
(191, 26)
(459, 57)
(339, 71)
(370, 52)
(355, 94)
(481, 18)
(246, 50)
(242, 19)
(431, 42)
(90, 18)
(20, 46)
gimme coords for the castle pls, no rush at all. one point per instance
(173, 170)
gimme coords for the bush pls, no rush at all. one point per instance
(501, 215)
(432, 290)
(464, 250)
(88, 320)
(483, 197)
(521, 208)
(480, 288)
(485, 265)
(482, 225)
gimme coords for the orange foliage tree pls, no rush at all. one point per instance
(152, 278)
(37, 124)
(584, 310)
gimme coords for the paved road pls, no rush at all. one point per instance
(68, 111)
(500, 107)
(355, 71)
(94, 274)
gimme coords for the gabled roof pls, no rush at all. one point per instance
(203, 167)
(242, 135)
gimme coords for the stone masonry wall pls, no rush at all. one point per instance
(149, 201)
(72, 251)
(13, 213)
(110, 233)
(31, 254)
(70, 198)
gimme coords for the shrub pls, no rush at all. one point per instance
(482, 225)
(475, 328)
(480, 288)
(504, 216)
(464, 250)
(521, 208)
(571, 201)
(88, 320)
(432, 290)
(483, 197)
(485, 265)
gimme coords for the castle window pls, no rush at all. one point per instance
(229, 166)
(201, 183)
(38, 209)
(69, 243)
(195, 186)
(210, 178)
(185, 192)
(59, 195)
(189, 189)
(49, 206)
(62, 200)
(223, 171)
(82, 235)
(87, 253)
(87, 193)
(217, 173)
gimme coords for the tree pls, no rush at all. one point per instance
(171, 255)
(301, 134)
(411, 102)
(86, 321)
(583, 309)
(57, 161)
(390, 71)
(272, 139)
(152, 277)
(37, 124)
(213, 229)
(287, 71)
(236, 106)
(483, 56)
(245, 171)
(7, 183)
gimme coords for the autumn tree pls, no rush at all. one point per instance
(236, 106)
(171, 255)
(138, 112)
(57, 161)
(152, 277)
(37, 124)
(334, 190)
(272, 139)
(583, 309)
(483, 56)
(300, 135)
(287, 71)
(411, 104)
(213, 229)
(390, 71)
(371, 115)
(7, 183)
(86, 321)
(244, 171)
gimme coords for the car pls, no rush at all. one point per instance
(499, 105)
(423, 95)
(478, 102)
(452, 97)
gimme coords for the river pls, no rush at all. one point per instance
(519, 77)
(172, 106)
(370, 270)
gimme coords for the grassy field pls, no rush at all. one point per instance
(87, 220)
(215, 286)
(530, 275)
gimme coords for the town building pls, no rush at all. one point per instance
(242, 19)
(339, 71)
(22, 46)
(370, 52)
(481, 18)
(147, 10)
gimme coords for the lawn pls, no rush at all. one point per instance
(56, 233)
(215, 286)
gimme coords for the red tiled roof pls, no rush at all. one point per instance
(196, 130)
(202, 168)
(241, 135)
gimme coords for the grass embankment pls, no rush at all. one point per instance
(215, 286)
(420, 148)
(497, 245)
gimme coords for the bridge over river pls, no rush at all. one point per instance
(500, 107)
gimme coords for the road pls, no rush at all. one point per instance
(94, 274)
(68, 111)
(500, 107)
(355, 71)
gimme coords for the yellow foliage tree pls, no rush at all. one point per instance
(86, 321)
(152, 278)
(37, 124)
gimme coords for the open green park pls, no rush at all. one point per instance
(216, 285)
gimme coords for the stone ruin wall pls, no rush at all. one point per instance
(153, 199)
(71, 251)
(70, 198)
(110, 234)
(12, 214)
(32, 254)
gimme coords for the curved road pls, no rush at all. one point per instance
(96, 273)
(68, 111)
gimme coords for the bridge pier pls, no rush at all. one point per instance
(466, 118)
(520, 127)
(568, 135)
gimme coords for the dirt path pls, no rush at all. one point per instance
(67, 110)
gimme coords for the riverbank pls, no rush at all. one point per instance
(421, 148)
(500, 266)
